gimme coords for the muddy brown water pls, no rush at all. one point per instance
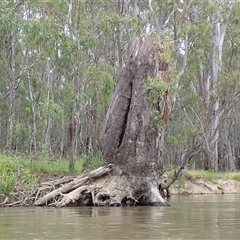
(189, 217)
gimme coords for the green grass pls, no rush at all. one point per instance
(60, 166)
(206, 175)
(211, 176)
(8, 175)
(93, 161)
(13, 168)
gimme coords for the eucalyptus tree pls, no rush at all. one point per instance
(230, 87)
(14, 66)
(200, 95)
(218, 96)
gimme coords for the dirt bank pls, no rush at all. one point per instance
(181, 186)
(201, 186)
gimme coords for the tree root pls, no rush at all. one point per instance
(71, 197)
(105, 186)
(71, 191)
(6, 201)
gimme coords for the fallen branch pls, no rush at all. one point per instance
(71, 197)
(71, 186)
(58, 181)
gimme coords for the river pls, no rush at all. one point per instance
(189, 217)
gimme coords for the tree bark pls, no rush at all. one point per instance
(127, 139)
(10, 66)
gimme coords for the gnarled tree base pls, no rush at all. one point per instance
(105, 186)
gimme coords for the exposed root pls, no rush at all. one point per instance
(71, 197)
(71, 191)
(105, 186)
(6, 201)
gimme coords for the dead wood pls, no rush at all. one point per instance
(6, 201)
(73, 196)
(56, 182)
(73, 185)
(185, 159)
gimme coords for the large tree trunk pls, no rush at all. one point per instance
(127, 139)
(129, 142)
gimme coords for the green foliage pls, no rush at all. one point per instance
(8, 20)
(28, 177)
(206, 175)
(166, 45)
(68, 94)
(155, 88)
(26, 171)
(8, 176)
(172, 139)
(100, 82)
(155, 119)
(181, 182)
(19, 132)
(179, 136)
(50, 109)
(7, 183)
(235, 176)
(93, 161)
(81, 48)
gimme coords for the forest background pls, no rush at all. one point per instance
(60, 61)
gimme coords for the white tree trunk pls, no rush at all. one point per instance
(48, 120)
(11, 88)
(211, 85)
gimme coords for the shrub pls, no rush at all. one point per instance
(8, 176)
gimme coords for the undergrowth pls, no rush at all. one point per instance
(25, 170)
(13, 169)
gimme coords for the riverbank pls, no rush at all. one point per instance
(183, 186)
(203, 186)
(192, 182)
(22, 181)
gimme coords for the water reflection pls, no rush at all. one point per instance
(191, 217)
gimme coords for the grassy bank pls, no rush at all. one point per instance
(211, 176)
(192, 175)
(26, 171)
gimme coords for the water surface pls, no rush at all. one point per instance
(189, 217)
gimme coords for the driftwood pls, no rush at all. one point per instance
(71, 191)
